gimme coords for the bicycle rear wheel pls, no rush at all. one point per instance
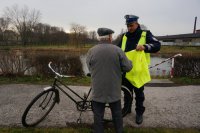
(125, 108)
(108, 115)
(39, 108)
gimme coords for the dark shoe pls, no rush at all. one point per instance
(139, 119)
(125, 111)
(129, 111)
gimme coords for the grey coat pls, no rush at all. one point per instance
(106, 62)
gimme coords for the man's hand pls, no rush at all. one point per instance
(140, 48)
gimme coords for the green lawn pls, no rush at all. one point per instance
(84, 81)
(89, 130)
(186, 81)
(49, 48)
(165, 50)
(184, 50)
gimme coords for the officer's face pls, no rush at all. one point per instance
(132, 27)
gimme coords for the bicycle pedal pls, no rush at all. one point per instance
(78, 121)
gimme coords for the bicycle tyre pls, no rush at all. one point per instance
(128, 94)
(108, 115)
(48, 99)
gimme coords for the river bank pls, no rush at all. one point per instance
(33, 60)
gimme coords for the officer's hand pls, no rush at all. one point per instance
(140, 48)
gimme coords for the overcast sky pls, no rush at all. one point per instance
(161, 17)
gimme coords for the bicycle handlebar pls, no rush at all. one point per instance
(58, 74)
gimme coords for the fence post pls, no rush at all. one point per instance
(172, 69)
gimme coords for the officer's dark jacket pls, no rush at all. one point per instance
(152, 44)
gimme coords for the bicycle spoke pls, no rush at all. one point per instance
(39, 108)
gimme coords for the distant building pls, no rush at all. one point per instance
(198, 31)
(191, 39)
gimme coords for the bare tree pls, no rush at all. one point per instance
(119, 36)
(93, 35)
(4, 23)
(78, 32)
(22, 20)
(46, 34)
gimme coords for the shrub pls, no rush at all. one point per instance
(70, 65)
(187, 66)
(12, 63)
(17, 63)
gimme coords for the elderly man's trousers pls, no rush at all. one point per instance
(99, 109)
(139, 98)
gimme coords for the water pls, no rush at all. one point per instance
(83, 61)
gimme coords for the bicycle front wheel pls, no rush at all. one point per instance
(39, 108)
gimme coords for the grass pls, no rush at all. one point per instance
(165, 50)
(88, 130)
(83, 81)
(186, 81)
(49, 48)
(184, 50)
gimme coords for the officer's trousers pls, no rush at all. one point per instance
(139, 97)
(99, 109)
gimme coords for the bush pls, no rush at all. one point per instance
(70, 65)
(187, 66)
(12, 63)
(17, 63)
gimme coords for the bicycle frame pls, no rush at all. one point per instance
(57, 85)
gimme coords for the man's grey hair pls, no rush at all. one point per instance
(103, 38)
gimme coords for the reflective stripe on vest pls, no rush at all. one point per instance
(139, 74)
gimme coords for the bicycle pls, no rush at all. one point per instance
(46, 100)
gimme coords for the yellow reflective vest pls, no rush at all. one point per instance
(139, 74)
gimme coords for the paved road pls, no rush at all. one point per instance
(170, 107)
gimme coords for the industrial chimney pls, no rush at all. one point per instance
(195, 22)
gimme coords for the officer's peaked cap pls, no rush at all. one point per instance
(104, 31)
(131, 18)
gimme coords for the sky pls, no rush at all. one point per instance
(161, 17)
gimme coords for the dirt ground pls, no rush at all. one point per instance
(169, 107)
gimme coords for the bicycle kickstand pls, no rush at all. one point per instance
(79, 118)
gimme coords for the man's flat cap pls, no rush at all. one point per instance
(104, 31)
(131, 18)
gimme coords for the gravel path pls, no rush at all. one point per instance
(170, 107)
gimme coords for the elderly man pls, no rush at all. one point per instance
(106, 62)
(139, 40)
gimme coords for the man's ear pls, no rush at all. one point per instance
(110, 37)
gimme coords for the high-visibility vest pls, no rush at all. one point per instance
(139, 74)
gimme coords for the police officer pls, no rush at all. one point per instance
(106, 62)
(151, 45)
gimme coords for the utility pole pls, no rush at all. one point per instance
(195, 22)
